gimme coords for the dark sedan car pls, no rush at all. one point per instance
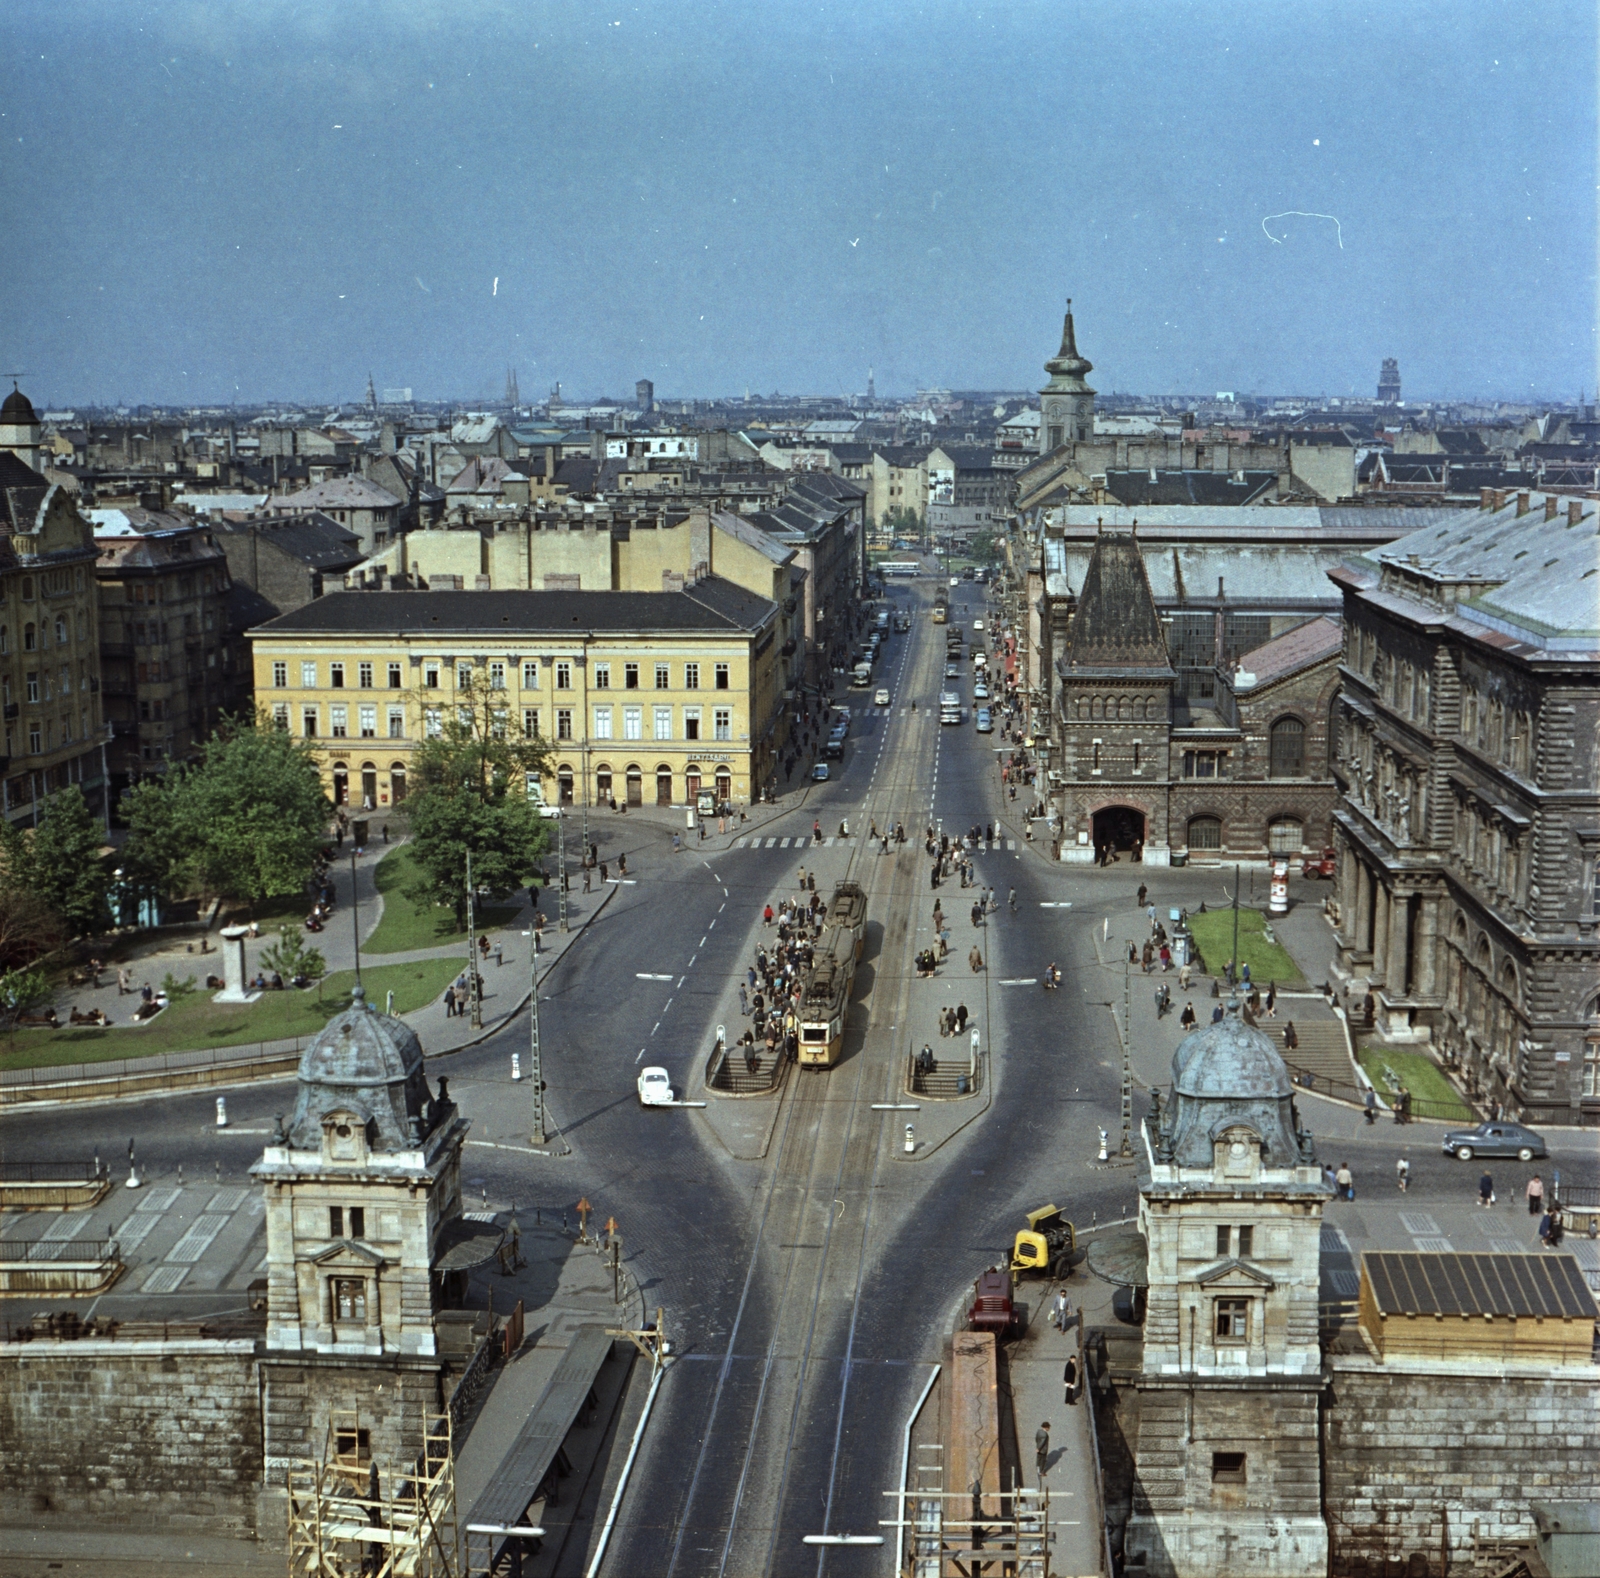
(1494, 1139)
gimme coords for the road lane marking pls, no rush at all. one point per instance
(1020, 980)
(702, 944)
(641, 1054)
(642, 976)
(655, 1027)
(1055, 904)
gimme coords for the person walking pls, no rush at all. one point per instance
(961, 1019)
(1291, 1039)
(744, 1000)
(449, 1002)
(1486, 1191)
(1186, 1020)
(1369, 1103)
(1535, 1195)
(1402, 1175)
(1185, 973)
(1272, 999)
(1041, 1449)
(1013, 900)
(975, 959)
(1063, 1308)
(124, 980)
(1345, 1181)
(1069, 1380)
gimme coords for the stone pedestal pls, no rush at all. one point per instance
(233, 990)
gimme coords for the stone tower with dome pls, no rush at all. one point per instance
(1066, 403)
(366, 1247)
(1226, 1471)
(20, 431)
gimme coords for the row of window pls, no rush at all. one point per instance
(604, 726)
(365, 675)
(35, 637)
(42, 733)
(1285, 836)
(39, 686)
(56, 583)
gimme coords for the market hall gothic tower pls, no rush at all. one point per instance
(1227, 1469)
(1066, 403)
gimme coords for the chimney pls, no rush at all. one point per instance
(1550, 502)
(1220, 593)
(1485, 498)
(1522, 503)
(1574, 511)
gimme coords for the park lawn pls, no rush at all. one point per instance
(1385, 1066)
(197, 1021)
(406, 925)
(1213, 935)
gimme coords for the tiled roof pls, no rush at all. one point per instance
(339, 493)
(711, 605)
(1297, 649)
(1115, 625)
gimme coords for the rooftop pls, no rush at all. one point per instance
(1481, 1283)
(710, 606)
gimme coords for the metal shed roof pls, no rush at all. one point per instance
(1419, 1283)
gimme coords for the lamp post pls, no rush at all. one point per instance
(473, 995)
(535, 1067)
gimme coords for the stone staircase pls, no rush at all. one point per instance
(1323, 1051)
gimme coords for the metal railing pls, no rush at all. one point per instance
(1343, 1090)
(48, 1172)
(53, 1251)
(156, 1063)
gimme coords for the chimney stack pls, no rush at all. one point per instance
(1574, 511)
(1550, 506)
(1522, 503)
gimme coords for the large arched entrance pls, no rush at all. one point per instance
(1118, 829)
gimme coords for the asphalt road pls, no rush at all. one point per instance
(807, 1292)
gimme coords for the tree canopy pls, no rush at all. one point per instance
(63, 863)
(242, 821)
(471, 794)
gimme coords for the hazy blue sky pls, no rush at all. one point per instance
(273, 198)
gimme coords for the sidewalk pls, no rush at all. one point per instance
(505, 969)
(1036, 1363)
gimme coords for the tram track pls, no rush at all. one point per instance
(828, 1155)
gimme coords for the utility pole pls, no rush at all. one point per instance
(473, 994)
(561, 861)
(1127, 1063)
(355, 913)
(536, 1069)
(1235, 968)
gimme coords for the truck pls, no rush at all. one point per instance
(993, 1307)
(1047, 1244)
(949, 706)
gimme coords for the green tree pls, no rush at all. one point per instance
(243, 821)
(62, 862)
(983, 547)
(290, 957)
(471, 794)
(21, 989)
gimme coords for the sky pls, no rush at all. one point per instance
(266, 200)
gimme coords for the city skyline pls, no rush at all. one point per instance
(916, 189)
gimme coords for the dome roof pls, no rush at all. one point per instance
(1229, 1058)
(17, 410)
(363, 1062)
(1230, 1075)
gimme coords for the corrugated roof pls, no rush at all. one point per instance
(1312, 642)
(1413, 1282)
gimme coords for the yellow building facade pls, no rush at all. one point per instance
(645, 698)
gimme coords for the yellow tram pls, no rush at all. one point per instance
(825, 1004)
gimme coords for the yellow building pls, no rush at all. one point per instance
(643, 696)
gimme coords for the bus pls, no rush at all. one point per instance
(899, 567)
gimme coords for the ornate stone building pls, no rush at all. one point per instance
(1144, 765)
(1226, 1471)
(1468, 829)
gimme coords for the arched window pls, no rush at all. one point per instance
(1288, 748)
(30, 638)
(1139, 708)
(564, 785)
(1124, 708)
(1205, 832)
(1285, 836)
(1094, 706)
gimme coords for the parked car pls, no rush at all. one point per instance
(838, 734)
(881, 699)
(984, 722)
(655, 1088)
(980, 691)
(1494, 1139)
(952, 671)
(820, 773)
(1318, 865)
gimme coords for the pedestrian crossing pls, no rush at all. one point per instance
(805, 841)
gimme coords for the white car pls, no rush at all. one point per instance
(977, 624)
(655, 1088)
(882, 697)
(980, 691)
(820, 773)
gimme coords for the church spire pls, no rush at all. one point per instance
(1067, 368)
